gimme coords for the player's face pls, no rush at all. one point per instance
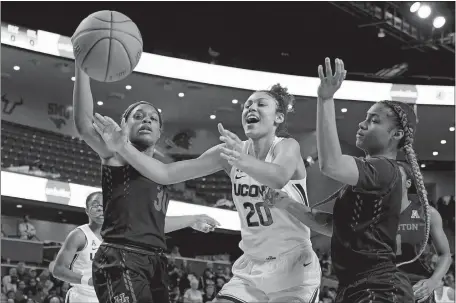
(144, 126)
(95, 209)
(259, 116)
(376, 132)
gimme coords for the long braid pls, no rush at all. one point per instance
(410, 155)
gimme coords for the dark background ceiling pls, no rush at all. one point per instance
(285, 37)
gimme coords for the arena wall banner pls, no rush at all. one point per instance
(44, 190)
(58, 45)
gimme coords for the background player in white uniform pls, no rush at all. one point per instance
(279, 264)
(73, 263)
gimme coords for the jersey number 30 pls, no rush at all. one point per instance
(258, 208)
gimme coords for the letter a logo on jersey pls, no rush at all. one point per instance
(121, 298)
(415, 214)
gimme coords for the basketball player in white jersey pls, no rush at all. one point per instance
(73, 263)
(279, 264)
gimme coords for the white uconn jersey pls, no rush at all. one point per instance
(82, 262)
(267, 232)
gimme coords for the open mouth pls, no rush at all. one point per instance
(252, 119)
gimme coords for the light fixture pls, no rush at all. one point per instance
(423, 165)
(16, 67)
(435, 153)
(212, 117)
(181, 95)
(100, 103)
(64, 220)
(415, 7)
(128, 87)
(443, 142)
(344, 110)
(159, 110)
(19, 206)
(439, 22)
(73, 79)
(381, 33)
(60, 212)
(452, 129)
(424, 11)
(234, 101)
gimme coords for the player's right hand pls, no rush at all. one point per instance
(90, 282)
(275, 198)
(112, 134)
(330, 84)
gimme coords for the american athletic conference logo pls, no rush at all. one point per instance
(58, 192)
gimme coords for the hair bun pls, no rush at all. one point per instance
(282, 93)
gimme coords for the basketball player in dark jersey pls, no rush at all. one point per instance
(366, 210)
(410, 237)
(130, 265)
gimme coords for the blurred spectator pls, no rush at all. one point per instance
(10, 281)
(22, 272)
(193, 295)
(174, 295)
(175, 252)
(207, 276)
(227, 273)
(220, 272)
(219, 282)
(209, 293)
(26, 230)
(20, 293)
(446, 208)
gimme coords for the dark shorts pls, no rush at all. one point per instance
(123, 275)
(381, 286)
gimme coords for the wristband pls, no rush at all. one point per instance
(85, 280)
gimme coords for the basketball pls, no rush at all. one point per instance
(107, 46)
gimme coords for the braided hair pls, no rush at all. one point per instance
(402, 121)
(285, 102)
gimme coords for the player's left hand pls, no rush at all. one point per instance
(423, 289)
(204, 223)
(114, 136)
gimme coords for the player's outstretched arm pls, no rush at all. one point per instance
(425, 288)
(83, 115)
(275, 174)
(317, 220)
(60, 268)
(116, 140)
(331, 160)
(203, 223)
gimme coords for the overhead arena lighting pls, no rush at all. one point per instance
(424, 12)
(439, 22)
(415, 7)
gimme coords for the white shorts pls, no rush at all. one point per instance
(292, 277)
(73, 296)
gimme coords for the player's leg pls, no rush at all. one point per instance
(241, 288)
(240, 291)
(159, 279)
(121, 276)
(383, 287)
(296, 276)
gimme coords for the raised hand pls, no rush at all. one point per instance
(112, 134)
(331, 83)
